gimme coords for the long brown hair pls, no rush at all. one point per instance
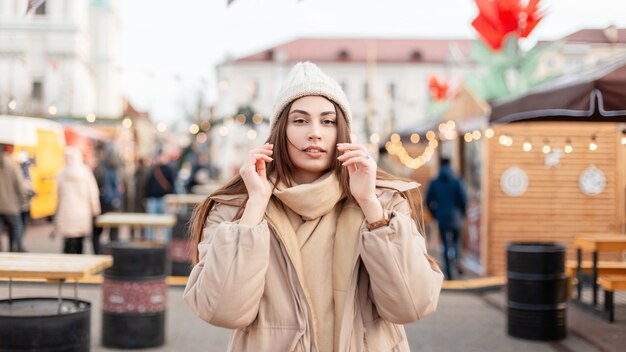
(282, 168)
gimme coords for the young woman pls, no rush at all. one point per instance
(311, 248)
(78, 202)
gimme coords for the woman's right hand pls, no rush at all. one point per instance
(254, 172)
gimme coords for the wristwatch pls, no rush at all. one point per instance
(380, 223)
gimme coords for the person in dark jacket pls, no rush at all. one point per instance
(446, 200)
(107, 174)
(160, 182)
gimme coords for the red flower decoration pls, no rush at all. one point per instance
(438, 89)
(498, 18)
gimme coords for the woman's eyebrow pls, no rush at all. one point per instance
(299, 111)
(325, 113)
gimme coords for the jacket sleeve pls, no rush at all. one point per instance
(405, 282)
(226, 285)
(94, 195)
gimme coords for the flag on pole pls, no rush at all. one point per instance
(33, 5)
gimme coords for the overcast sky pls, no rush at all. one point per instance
(168, 49)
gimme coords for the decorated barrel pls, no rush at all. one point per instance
(45, 324)
(180, 244)
(134, 295)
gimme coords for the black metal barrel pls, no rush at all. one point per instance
(134, 295)
(180, 254)
(536, 290)
(45, 324)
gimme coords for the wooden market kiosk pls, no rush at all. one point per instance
(467, 113)
(557, 163)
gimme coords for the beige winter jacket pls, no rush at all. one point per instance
(249, 279)
(78, 198)
(12, 187)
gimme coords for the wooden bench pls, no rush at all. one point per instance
(476, 284)
(605, 267)
(610, 284)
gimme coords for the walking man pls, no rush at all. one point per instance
(446, 200)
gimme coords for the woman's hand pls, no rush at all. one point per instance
(362, 170)
(254, 172)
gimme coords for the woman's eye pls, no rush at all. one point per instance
(299, 121)
(328, 122)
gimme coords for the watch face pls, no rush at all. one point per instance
(592, 181)
(514, 182)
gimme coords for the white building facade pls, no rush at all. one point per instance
(583, 49)
(59, 60)
(385, 80)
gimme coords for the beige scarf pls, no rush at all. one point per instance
(322, 206)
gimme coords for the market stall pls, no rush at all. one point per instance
(557, 163)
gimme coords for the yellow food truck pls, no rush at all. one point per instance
(44, 141)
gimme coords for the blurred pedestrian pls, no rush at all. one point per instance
(312, 247)
(142, 173)
(160, 183)
(25, 162)
(12, 192)
(78, 202)
(200, 172)
(108, 178)
(446, 200)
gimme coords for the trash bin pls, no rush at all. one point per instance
(180, 245)
(45, 324)
(134, 295)
(536, 290)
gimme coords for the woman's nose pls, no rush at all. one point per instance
(314, 133)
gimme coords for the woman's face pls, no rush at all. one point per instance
(311, 137)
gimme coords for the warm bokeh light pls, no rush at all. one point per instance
(127, 122)
(201, 137)
(527, 146)
(257, 119)
(489, 133)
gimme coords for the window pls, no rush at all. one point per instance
(41, 9)
(344, 87)
(365, 91)
(253, 89)
(391, 90)
(37, 91)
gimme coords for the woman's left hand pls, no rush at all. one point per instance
(362, 170)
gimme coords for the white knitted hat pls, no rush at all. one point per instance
(306, 79)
